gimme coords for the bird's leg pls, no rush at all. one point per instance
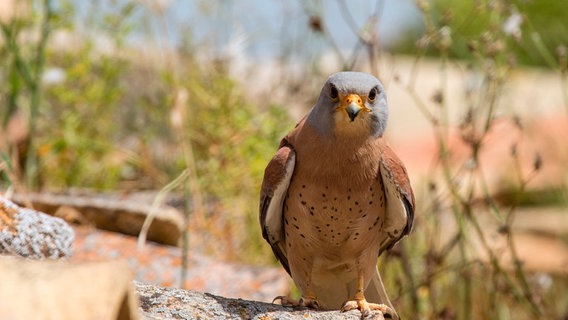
(308, 300)
(359, 302)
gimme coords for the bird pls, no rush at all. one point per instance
(335, 196)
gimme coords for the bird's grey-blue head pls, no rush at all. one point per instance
(351, 105)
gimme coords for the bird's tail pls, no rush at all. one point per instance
(376, 293)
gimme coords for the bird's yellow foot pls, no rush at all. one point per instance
(303, 303)
(366, 308)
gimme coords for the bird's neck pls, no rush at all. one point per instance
(342, 157)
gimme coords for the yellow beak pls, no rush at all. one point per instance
(352, 104)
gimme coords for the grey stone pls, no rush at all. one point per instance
(33, 234)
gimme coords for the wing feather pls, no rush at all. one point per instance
(400, 203)
(277, 176)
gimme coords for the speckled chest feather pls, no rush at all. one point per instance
(335, 213)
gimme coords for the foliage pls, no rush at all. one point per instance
(446, 279)
(232, 141)
(78, 126)
(532, 31)
(230, 134)
(24, 70)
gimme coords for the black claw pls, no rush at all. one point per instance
(314, 304)
(311, 304)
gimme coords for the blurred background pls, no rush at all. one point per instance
(191, 98)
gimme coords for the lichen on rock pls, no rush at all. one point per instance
(32, 234)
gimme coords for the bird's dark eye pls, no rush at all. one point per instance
(333, 93)
(373, 94)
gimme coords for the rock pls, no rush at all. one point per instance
(62, 290)
(162, 264)
(28, 233)
(124, 213)
(168, 303)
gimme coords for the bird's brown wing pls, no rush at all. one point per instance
(399, 198)
(277, 176)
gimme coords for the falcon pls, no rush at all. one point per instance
(335, 197)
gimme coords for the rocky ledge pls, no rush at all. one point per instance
(105, 290)
(169, 303)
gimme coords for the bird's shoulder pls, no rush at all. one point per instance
(397, 170)
(291, 138)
